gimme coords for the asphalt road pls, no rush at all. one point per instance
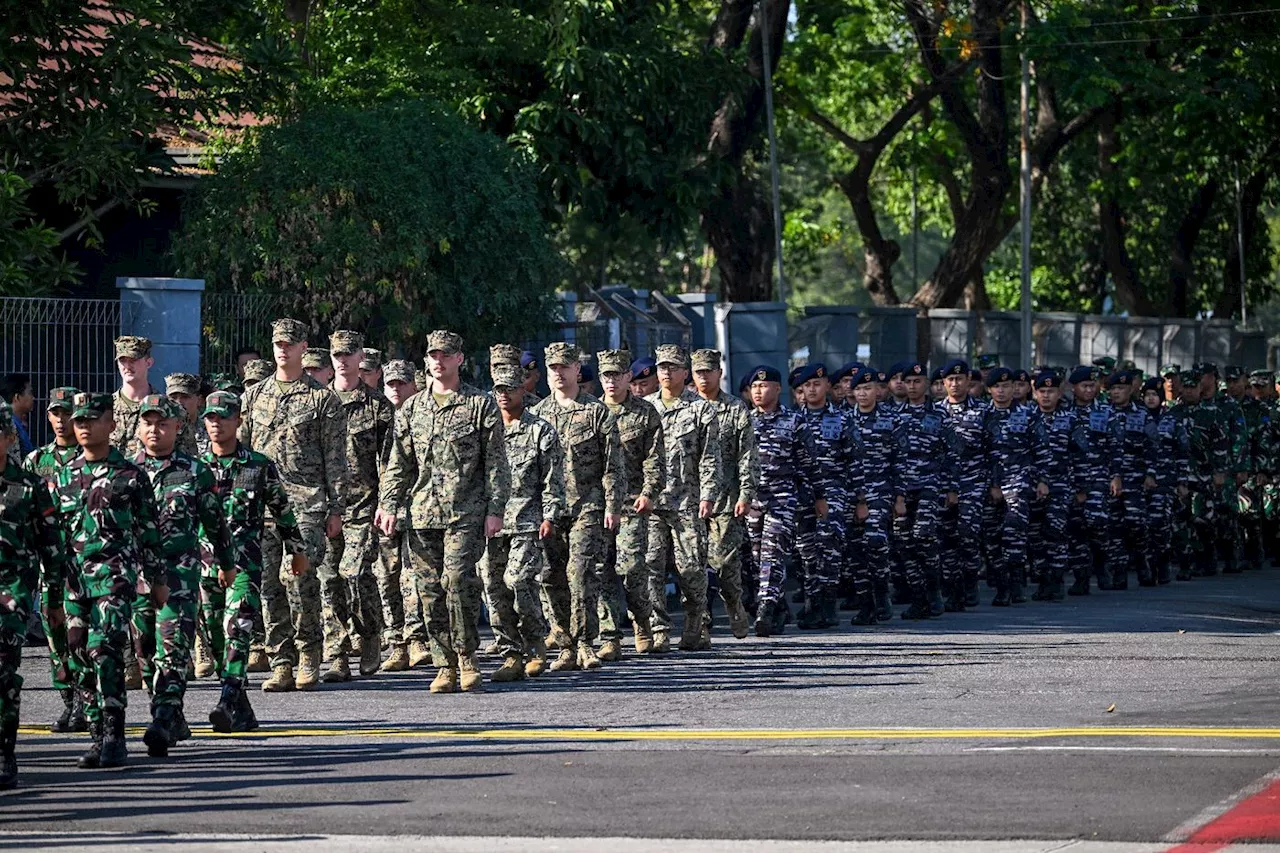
(1145, 718)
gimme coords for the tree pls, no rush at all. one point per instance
(398, 218)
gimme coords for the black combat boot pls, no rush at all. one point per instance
(114, 750)
(971, 597)
(884, 610)
(765, 619)
(1146, 569)
(936, 605)
(93, 758)
(1080, 587)
(1002, 598)
(1185, 572)
(8, 758)
(64, 722)
(181, 731)
(1057, 589)
(1163, 570)
(245, 720)
(955, 597)
(866, 614)
(919, 608)
(901, 594)
(1119, 580)
(222, 716)
(810, 617)
(159, 734)
(1016, 595)
(1042, 592)
(830, 617)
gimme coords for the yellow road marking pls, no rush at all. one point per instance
(638, 734)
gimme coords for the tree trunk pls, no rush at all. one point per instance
(739, 228)
(1181, 254)
(879, 253)
(1129, 293)
(1251, 195)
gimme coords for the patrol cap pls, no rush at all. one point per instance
(528, 360)
(988, 360)
(161, 405)
(562, 353)
(999, 374)
(1207, 368)
(801, 375)
(1047, 379)
(443, 340)
(397, 370)
(182, 383)
(289, 331)
(1152, 384)
(956, 367)
(62, 398)
(1083, 373)
(1232, 372)
(613, 361)
(671, 354)
(259, 369)
(227, 382)
(91, 407)
(506, 376)
(765, 373)
(1189, 376)
(1106, 362)
(1170, 370)
(1261, 377)
(346, 342)
(132, 346)
(224, 404)
(372, 359)
(505, 354)
(586, 373)
(643, 368)
(313, 357)
(6, 418)
(865, 376)
(706, 359)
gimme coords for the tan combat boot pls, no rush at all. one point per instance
(644, 637)
(397, 661)
(661, 643)
(587, 656)
(692, 628)
(339, 671)
(471, 679)
(446, 681)
(610, 650)
(491, 649)
(418, 653)
(704, 640)
(203, 658)
(281, 680)
(309, 671)
(370, 656)
(258, 661)
(512, 669)
(132, 676)
(558, 639)
(567, 661)
(537, 663)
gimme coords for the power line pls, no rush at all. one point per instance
(1053, 45)
(1163, 20)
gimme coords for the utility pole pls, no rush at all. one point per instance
(773, 147)
(1244, 310)
(1025, 110)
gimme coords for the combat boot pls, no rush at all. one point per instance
(739, 621)
(661, 643)
(491, 649)
(1042, 591)
(92, 759)
(63, 723)
(397, 661)
(159, 734)
(446, 681)
(537, 662)
(764, 619)
(223, 715)
(587, 658)
(901, 594)
(644, 637)
(692, 627)
(181, 731)
(1164, 573)
(470, 680)
(1080, 587)
(610, 651)
(203, 658)
(566, 661)
(971, 596)
(811, 616)
(704, 639)
(558, 639)
(781, 617)
(281, 680)
(244, 720)
(1119, 581)
(866, 614)
(512, 669)
(954, 602)
(419, 653)
(8, 755)
(1002, 598)
(308, 671)
(114, 750)
(830, 616)
(936, 605)
(258, 661)
(132, 676)
(1016, 595)
(919, 608)
(339, 670)
(880, 598)
(370, 656)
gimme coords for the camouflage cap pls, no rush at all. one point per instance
(507, 376)
(1127, 364)
(132, 346)
(161, 405)
(671, 354)
(313, 358)
(445, 341)
(420, 378)
(6, 418)
(288, 331)
(1261, 377)
(259, 369)
(1106, 362)
(706, 359)
(1170, 370)
(91, 407)
(1232, 372)
(345, 342)
(182, 383)
(397, 370)
(987, 361)
(228, 382)
(372, 359)
(224, 404)
(561, 353)
(614, 360)
(62, 398)
(504, 354)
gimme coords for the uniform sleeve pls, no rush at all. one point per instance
(615, 470)
(213, 520)
(277, 501)
(710, 470)
(496, 471)
(245, 433)
(748, 459)
(402, 464)
(856, 473)
(145, 518)
(807, 470)
(655, 459)
(46, 540)
(333, 452)
(551, 462)
(385, 434)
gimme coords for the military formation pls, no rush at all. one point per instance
(324, 516)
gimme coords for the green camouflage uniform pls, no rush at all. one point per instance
(391, 548)
(127, 413)
(299, 426)
(45, 462)
(447, 462)
(1230, 419)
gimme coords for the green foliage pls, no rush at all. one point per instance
(398, 217)
(30, 263)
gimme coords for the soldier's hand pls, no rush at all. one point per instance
(952, 498)
(997, 495)
(1081, 497)
(1149, 483)
(160, 594)
(57, 617)
(1241, 478)
(612, 521)
(1117, 487)
(740, 509)
(385, 521)
(705, 509)
(642, 505)
(900, 507)
(1182, 491)
(860, 511)
(299, 564)
(820, 507)
(1264, 479)
(226, 577)
(492, 526)
(544, 529)
(1219, 479)
(333, 527)
(1042, 491)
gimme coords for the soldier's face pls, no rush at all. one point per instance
(398, 390)
(157, 433)
(1151, 399)
(815, 392)
(347, 365)
(915, 388)
(287, 354)
(1085, 392)
(1121, 393)
(1172, 387)
(323, 375)
(133, 368)
(1190, 393)
(644, 386)
(616, 385)
(510, 400)
(707, 381)
(977, 389)
(843, 388)
(1047, 398)
(865, 395)
(443, 365)
(221, 430)
(957, 386)
(531, 378)
(764, 395)
(1002, 393)
(1208, 385)
(94, 433)
(1021, 390)
(190, 403)
(672, 377)
(372, 378)
(60, 423)
(564, 377)
(1235, 387)
(938, 388)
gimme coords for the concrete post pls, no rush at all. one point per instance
(166, 310)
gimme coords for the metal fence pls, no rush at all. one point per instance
(232, 321)
(60, 342)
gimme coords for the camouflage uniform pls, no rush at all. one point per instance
(694, 473)
(1259, 458)
(448, 461)
(1225, 534)
(879, 442)
(256, 371)
(1210, 447)
(298, 425)
(192, 439)
(1013, 437)
(594, 482)
(927, 473)
(514, 560)
(962, 524)
(1095, 462)
(1138, 441)
(1047, 517)
(640, 438)
(1172, 468)
(125, 436)
(391, 548)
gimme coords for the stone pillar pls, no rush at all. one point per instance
(166, 310)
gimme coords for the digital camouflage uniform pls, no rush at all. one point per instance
(1136, 434)
(125, 436)
(299, 426)
(1048, 540)
(391, 548)
(1095, 451)
(879, 443)
(1172, 470)
(927, 473)
(448, 465)
(1224, 536)
(625, 577)
(594, 482)
(191, 436)
(1259, 457)
(962, 524)
(821, 542)
(1012, 436)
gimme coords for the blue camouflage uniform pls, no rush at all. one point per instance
(1095, 461)
(880, 443)
(1054, 467)
(962, 523)
(1172, 467)
(1136, 433)
(1012, 440)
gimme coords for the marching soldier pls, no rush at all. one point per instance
(879, 442)
(186, 390)
(1012, 442)
(1053, 420)
(1172, 472)
(1095, 466)
(1136, 434)
(966, 414)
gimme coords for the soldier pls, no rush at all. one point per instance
(254, 372)
(897, 388)
(247, 484)
(371, 368)
(1226, 532)
(243, 356)
(532, 376)
(1209, 450)
(29, 538)
(347, 587)
(1053, 421)
(594, 482)
(977, 386)
(45, 462)
(879, 443)
(966, 415)
(840, 388)
(1137, 438)
(1095, 467)
(399, 384)
(1012, 440)
(694, 483)
(937, 387)
(318, 364)
(108, 517)
(1259, 455)
(133, 361)
(1172, 472)
(821, 542)
(299, 425)
(448, 462)
(641, 443)
(183, 488)
(986, 361)
(514, 559)
(644, 377)
(1022, 388)
(186, 390)
(1170, 374)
